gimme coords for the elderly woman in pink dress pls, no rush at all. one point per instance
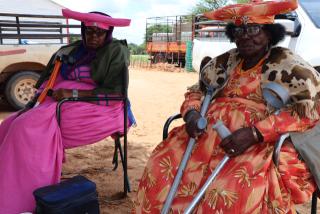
(31, 141)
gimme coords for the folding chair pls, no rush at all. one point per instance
(123, 154)
(275, 157)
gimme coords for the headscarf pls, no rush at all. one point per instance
(101, 20)
(109, 29)
(256, 12)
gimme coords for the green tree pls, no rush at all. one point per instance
(74, 38)
(141, 49)
(157, 28)
(136, 49)
(242, 1)
(207, 5)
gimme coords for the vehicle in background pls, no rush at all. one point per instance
(302, 27)
(166, 38)
(26, 44)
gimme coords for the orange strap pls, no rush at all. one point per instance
(50, 82)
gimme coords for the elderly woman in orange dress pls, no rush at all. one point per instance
(250, 182)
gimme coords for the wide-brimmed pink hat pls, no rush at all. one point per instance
(94, 19)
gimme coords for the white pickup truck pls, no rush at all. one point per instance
(20, 67)
(26, 44)
(302, 26)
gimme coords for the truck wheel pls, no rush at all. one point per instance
(159, 58)
(20, 88)
(169, 61)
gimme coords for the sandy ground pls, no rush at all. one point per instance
(155, 95)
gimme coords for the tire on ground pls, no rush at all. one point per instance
(20, 89)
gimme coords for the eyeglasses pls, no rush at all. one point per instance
(250, 30)
(98, 32)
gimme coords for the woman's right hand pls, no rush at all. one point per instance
(191, 119)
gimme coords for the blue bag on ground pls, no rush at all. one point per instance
(76, 195)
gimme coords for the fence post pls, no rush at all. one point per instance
(18, 28)
(1, 40)
(188, 65)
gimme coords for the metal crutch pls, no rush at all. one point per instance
(277, 97)
(223, 132)
(201, 123)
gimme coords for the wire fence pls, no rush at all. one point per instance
(144, 62)
(140, 61)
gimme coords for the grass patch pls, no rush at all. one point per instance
(139, 58)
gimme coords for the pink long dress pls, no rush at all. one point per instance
(32, 144)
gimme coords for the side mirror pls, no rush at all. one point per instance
(293, 28)
(288, 24)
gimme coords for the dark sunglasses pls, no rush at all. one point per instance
(98, 32)
(250, 30)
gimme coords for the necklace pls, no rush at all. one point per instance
(253, 69)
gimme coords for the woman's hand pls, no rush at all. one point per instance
(61, 93)
(239, 141)
(191, 119)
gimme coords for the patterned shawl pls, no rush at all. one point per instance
(281, 66)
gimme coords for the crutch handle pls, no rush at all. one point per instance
(222, 130)
(202, 123)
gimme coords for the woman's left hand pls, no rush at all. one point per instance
(61, 93)
(238, 142)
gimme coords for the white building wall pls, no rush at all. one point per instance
(35, 7)
(40, 7)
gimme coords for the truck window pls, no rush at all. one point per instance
(312, 7)
(209, 29)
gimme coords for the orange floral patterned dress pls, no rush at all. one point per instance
(249, 183)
